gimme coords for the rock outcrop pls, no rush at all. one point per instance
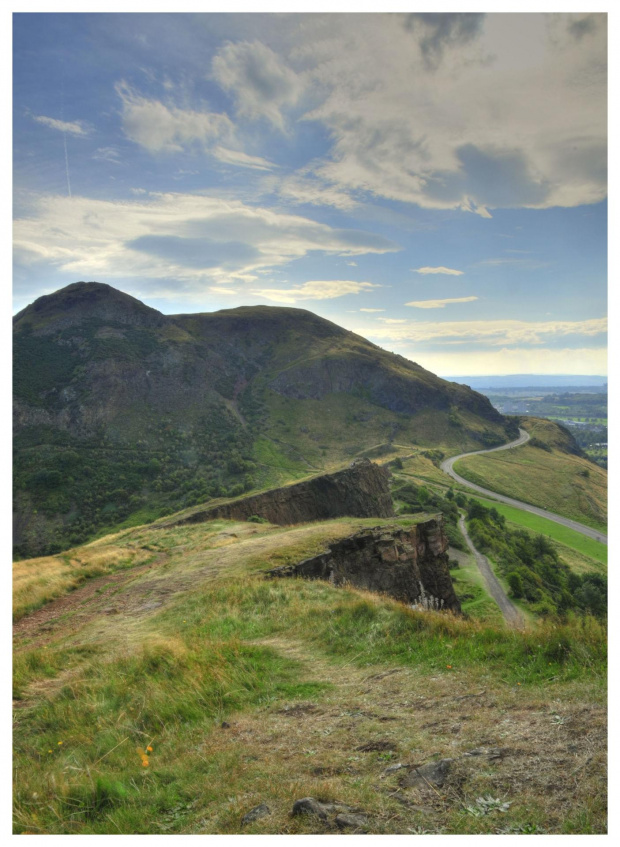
(410, 565)
(360, 491)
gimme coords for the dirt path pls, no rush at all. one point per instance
(512, 615)
(447, 467)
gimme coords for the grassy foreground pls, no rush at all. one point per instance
(177, 695)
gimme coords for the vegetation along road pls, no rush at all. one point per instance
(447, 466)
(512, 615)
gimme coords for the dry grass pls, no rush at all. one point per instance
(38, 581)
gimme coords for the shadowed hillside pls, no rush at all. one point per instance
(123, 414)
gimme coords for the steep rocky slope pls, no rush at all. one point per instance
(123, 413)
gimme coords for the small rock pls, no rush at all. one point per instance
(309, 806)
(394, 768)
(351, 821)
(225, 725)
(433, 773)
(254, 814)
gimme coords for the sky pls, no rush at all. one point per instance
(435, 182)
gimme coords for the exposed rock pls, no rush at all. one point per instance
(410, 565)
(351, 821)
(433, 774)
(309, 806)
(255, 814)
(360, 491)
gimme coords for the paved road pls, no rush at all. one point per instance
(543, 513)
(512, 615)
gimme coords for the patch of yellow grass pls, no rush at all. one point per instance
(37, 581)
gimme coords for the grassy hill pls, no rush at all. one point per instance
(549, 471)
(180, 689)
(123, 414)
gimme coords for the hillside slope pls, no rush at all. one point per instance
(239, 691)
(125, 414)
(550, 471)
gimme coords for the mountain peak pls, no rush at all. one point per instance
(83, 300)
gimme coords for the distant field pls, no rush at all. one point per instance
(565, 536)
(557, 481)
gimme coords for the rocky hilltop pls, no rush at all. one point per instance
(360, 491)
(410, 565)
(123, 413)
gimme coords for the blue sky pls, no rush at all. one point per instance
(435, 182)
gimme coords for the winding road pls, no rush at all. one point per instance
(447, 467)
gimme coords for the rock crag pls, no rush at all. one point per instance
(410, 565)
(359, 491)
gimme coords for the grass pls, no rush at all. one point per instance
(38, 581)
(557, 481)
(567, 538)
(302, 673)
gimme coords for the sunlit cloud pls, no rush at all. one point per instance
(261, 83)
(314, 290)
(72, 127)
(372, 310)
(160, 128)
(487, 333)
(515, 360)
(439, 270)
(176, 236)
(242, 160)
(439, 304)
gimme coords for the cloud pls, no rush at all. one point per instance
(469, 120)
(439, 304)
(372, 310)
(262, 85)
(314, 290)
(439, 270)
(107, 154)
(487, 333)
(242, 160)
(167, 129)
(176, 236)
(515, 360)
(439, 30)
(72, 127)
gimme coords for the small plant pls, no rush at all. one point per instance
(487, 805)
(257, 519)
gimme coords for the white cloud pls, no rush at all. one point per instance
(516, 360)
(372, 310)
(487, 333)
(242, 160)
(262, 85)
(391, 320)
(167, 129)
(439, 304)
(107, 154)
(72, 127)
(460, 116)
(176, 236)
(325, 289)
(439, 270)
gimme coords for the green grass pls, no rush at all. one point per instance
(562, 483)
(96, 694)
(567, 537)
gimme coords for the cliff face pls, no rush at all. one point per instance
(360, 491)
(410, 565)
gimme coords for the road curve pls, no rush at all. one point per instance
(512, 615)
(447, 466)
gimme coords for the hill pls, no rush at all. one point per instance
(550, 471)
(123, 414)
(181, 690)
